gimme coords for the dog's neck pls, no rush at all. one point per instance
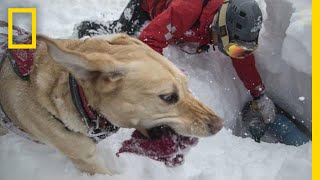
(68, 100)
(53, 93)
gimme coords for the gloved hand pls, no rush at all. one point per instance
(266, 107)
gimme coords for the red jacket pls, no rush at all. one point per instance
(189, 21)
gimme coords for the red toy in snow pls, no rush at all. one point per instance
(163, 145)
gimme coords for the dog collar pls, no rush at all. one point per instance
(98, 126)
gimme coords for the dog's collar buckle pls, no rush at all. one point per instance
(98, 133)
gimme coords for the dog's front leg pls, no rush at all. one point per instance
(91, 166)
(76, 146)
(80, 149)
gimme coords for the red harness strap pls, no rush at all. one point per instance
(22, 59)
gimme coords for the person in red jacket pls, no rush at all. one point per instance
(232, 25)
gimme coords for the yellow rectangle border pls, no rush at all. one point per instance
(33, 12)
(315, 90)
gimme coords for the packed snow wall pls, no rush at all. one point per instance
(284, 56)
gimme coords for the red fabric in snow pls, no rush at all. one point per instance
(169, 148)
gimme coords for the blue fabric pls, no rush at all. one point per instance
(287, 132)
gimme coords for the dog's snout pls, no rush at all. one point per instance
(216, 126)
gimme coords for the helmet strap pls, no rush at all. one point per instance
(219, 24)
(223, 30)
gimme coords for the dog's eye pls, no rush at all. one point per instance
(170, 98)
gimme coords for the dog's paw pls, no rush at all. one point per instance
(104, 170)
(96, 170)
(91, 168)
(3, 131)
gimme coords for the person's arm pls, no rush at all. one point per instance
(249, 75)
(173, 22)
(251, 79)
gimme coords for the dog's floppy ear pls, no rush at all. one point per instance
(80, 65)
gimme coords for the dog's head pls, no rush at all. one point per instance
(132, 85)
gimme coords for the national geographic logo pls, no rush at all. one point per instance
(33, 12)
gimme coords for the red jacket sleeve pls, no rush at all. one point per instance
(173, 22)
(249, 75)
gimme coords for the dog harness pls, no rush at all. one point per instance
(22, 62)
(5, 121)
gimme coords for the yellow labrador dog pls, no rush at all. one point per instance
(121, 78)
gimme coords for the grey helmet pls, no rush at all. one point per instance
(244, 20)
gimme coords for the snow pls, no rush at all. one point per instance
(128, 13)
(302, 98)
(221, 157)
(283, 58)
(298, 38)
(284, 55)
